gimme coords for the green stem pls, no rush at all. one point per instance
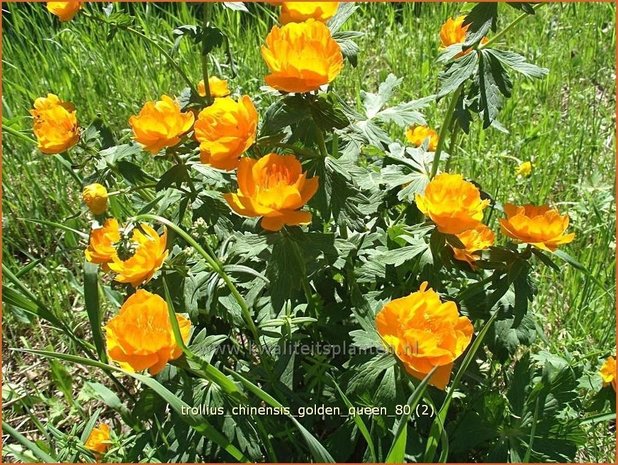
(204, 54)
(321, 142)
(444, 130)
(216, 266)
(451, 150)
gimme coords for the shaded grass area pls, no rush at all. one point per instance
(563, 124)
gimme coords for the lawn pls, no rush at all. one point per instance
(564, 124)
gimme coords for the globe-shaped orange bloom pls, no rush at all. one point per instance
(417, 135)
(454, 32)
(608, 372)
(141, 337)
(64, 10)
(160, 124)
(101, 248)
(541, 226)
(297, 12)
(55, 124)
(474, 240)
(425, 333)
(218, 87)
(99, 439)
(95, 198)
(301, 57)
(225, 130)
(150, 253)
(452, 203)
(275, 188)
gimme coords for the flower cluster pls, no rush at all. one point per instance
(426, 333)
(455, 206)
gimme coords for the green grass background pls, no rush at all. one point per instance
(564, 124)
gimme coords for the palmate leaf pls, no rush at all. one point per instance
(517, 63)
(284, 271)
(457, 73)
(482, 18)
(494, 85)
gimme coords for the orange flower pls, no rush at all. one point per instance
(95, 198)
(101, 247)
(275, 188)
(218, 87)
(475, 240)
(150, 253)
(453, 204)
(608, 372)
(55, 124)
(160, 124)
(140, 337)
(541, 226)
(297, 12)
(417, 135)
(425, 333)
(301, 57)
(64, 10)
(454, 32)
(225, 130)
(98, 440)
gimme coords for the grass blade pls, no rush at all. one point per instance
(438, 423)
(319, 453)
(31, 446)
(398, 449)
(197, 422)
(93, 308)
(359, 423)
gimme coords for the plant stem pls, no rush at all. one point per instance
(204, 54)
(451, 149)
(321, 142)
(444, 130)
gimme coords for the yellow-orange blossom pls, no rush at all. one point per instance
(425, 333)
(101, 248)
(275, 188)
(98, 440)
(160, 124)
(64, 10)
(297, 12)
(95, 197)
(417, 135)
(454, 32)
(55, 124)
(140, 337)
(540, 226)
(452, 203)
(150, 253)
(301, 57)
(474, 240)
(225, 130)
(608, 372)
(218, 87)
